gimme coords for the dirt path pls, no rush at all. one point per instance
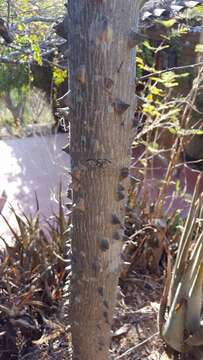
(29, 165)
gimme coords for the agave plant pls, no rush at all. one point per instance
(33, 271)
(180, 309)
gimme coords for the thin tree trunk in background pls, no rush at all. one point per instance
(16, 110)
(102, 102)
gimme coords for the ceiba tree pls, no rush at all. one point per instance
(101, 104)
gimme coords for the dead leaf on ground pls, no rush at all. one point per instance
(121, 331)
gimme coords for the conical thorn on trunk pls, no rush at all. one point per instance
(66, 148)
(134, 39)
(115, 220)
(104, 244)
(81, 74)
(120, 195)
(120, 107)
(124, 173)
(66, 99)
(80, 205)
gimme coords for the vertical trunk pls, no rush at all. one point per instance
(101, 75)
(16, 110)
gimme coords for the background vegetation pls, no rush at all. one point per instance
(34, 44)
(166, 120)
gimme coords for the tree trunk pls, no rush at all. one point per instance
(16, 110)
(102, 82)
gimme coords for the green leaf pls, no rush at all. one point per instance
(153, 148)
(177, 185)
(171, 114)
(37, 54)
(161, 48)
(147, 68)
(196, 132)
(59, 75)
(21, 27)
(183, 75)
(169, 79)
(156, 91)
(150, 109)
(194, 13)
(148, 45)
(157, 79)
(173, 131)
(139, 60)
(167, 23)
(199, 48)
(185, 132)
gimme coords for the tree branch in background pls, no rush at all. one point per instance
(34, 19)
(5, 32)
(175, 68)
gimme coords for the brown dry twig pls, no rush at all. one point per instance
(133, 348)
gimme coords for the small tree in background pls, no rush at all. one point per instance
(14, 80)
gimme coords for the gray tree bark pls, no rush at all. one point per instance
(102, 102)
(17, 111)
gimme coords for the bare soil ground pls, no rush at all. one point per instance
(135, 329)
(134, 332)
